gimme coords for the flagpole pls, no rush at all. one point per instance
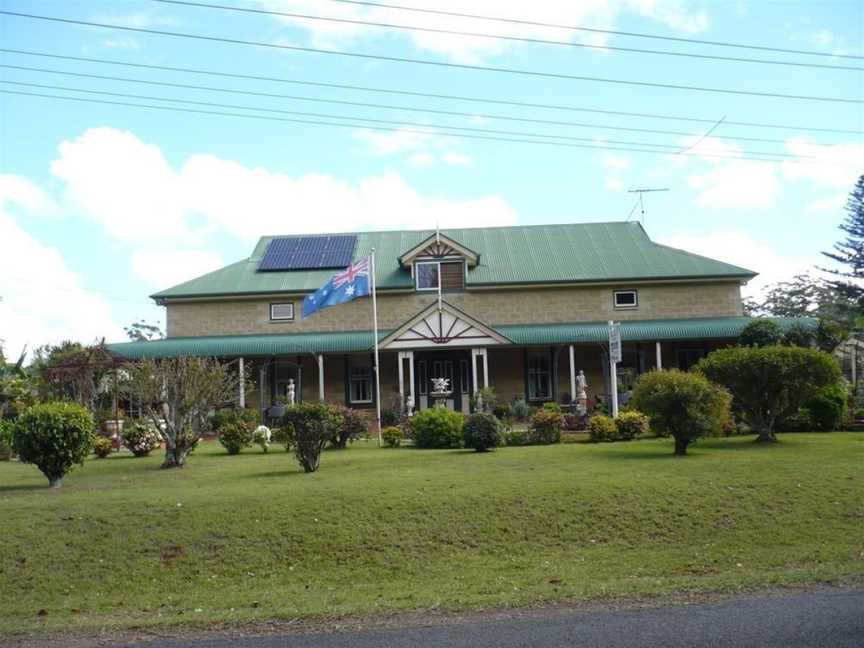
(375, 333)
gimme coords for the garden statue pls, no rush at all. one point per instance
(291, 396)
(409, 406)
(440, 385)
(479, 402)
(581, 396)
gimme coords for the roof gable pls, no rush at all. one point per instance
(439, 246)
(519, 255)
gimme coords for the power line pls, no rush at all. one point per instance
(596, 30)
(427, 95)
(468, 129)
(378, 128)
(452, 113)
(443, 64)
(520, 39)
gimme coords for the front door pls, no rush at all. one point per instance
(455, 367)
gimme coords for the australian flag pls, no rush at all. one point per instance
(349, 284)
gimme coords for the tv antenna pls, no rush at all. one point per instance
(640, 202)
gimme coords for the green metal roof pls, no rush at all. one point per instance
(578, 252)
(523, 334)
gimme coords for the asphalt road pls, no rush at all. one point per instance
(818, 620)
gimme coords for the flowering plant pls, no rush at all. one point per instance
(140, 437)
(262, 436)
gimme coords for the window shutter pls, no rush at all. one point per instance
(452, 276)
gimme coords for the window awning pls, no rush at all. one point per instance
(712, 328)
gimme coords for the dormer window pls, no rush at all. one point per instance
(450, 275)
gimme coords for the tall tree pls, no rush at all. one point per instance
(849, 253)
(141, 331)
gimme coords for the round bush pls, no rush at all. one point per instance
(630, 425)
(140, 438)
(437, 427)
(827, 409)
(102, 447)
(602, 428)
(482, 432)
(236, 436)
(353, 424)
(54, 437)
(392, 436)
(546, 425)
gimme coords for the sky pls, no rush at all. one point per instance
(103, 204)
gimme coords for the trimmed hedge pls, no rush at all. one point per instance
(437, 427)
(483, 432)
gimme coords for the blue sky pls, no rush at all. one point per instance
(102, 205)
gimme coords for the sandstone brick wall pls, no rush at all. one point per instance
(541, 305)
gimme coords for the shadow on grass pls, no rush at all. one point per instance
(293, 472)
(13, 488)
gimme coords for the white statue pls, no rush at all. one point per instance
(480, 406)
(581, 396)
(440, 385)
(581, 385)
(291, 395)
(409, 406)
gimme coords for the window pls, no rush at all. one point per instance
(539, 377)
(360, 384)
(281, 312)
(451, 275)
(426, 275)
(625, 299)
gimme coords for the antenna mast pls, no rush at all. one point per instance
(641, 193)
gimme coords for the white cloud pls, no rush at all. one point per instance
(163, 268)
(616, 162)
(122, 43)
(421, 159)
(614, 184)
(738, 184)
(836, 165)
(137, 196)
(471, 49)
(388, 143)
(458, 159)
(831, 204)
(17, 189)
(43, 301)
(739, 249)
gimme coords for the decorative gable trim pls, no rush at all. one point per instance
(445, 328)
(439, 246)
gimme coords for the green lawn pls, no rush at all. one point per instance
(245, 538)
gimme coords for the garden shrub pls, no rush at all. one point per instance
(261, 437)
(602, 428)
(389, 418)
(827, 409)
(545, 427)
(575, 422)
(437, 427)
(516, 436)
(280, 435)
(392, 436)
(685, 405)
(501, 412)
(54, 437)
(5, 440)
(235, 435)
(225, 417)
(770, 384)
(102, 446)
(760, 333)
(552, 407)
(140, 437)
(572, 438)
(631, 425)
(353, 424)
(519, 409)
(487, 397)
(482, 432)
(799, 334)
(309, 427)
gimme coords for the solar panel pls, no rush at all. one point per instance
(308, 252)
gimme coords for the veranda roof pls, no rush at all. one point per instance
(521, 335)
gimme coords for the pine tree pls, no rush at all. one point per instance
(850, 252)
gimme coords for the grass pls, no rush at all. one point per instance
(245, 538)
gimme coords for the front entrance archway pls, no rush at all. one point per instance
(451, 365)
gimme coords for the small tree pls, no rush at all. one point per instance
(761, 332)
(683, 404)
(176, 394)
(309, 427)
(770, 384)
(54, 437)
